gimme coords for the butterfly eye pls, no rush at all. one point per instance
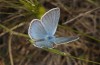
(50, 37)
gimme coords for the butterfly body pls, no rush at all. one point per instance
(43, 30)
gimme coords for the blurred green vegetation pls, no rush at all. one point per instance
(82, 18)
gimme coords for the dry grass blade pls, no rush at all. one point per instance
(12, 32)
(82, 14)
(15, 27)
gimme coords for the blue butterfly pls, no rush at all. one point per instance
(43, 30)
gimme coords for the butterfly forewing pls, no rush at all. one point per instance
(50, 20)
(36, 30)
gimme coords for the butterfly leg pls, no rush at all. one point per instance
(54, 44)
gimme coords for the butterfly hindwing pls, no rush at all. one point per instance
(50, 20)
(62, 40)
(44, 43)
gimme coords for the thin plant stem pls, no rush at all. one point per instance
(10, 49)
(15, 27)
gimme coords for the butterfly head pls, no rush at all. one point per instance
(49, 37)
